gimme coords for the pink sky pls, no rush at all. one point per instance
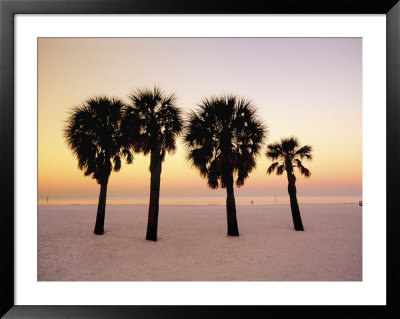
(307, 87)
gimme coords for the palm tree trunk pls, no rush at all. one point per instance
(294, 205)
(101, 210)
(155, 171)
(231, 210)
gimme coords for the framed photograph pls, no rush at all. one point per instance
(182, 160)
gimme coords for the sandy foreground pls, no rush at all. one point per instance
(192, 244)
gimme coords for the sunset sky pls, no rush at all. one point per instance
(307, 87)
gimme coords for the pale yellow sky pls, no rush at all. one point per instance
(307, 87)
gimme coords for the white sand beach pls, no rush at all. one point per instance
(192, 244)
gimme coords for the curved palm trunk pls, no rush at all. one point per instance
(231, 209)
(155, 171)
(298, 225)
(101, 210)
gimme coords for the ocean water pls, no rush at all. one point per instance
(240, 200)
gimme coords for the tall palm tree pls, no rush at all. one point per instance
(159, 122)
(288, 154)
(223, 137)
(93, 134)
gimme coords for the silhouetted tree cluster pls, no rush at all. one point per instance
(223, 137)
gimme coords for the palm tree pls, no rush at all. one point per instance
(288, 154)
(93, 134)
(159, 122)
(223, 137)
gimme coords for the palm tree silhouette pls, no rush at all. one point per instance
(288, 153)
(159, 122)
(93, 134)
(223, 137)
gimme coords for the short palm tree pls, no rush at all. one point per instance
(159, 122)
(93, 134)
(223, 137)
(288, 154)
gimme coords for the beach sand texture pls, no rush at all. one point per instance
(192, 244)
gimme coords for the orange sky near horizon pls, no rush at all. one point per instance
(307, 87)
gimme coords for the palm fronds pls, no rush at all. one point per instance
(223, 137)
(152, 121)
(288, 154)
(93, 133)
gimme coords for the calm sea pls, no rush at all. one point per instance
(207, 200)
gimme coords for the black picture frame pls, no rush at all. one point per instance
(8, 8)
